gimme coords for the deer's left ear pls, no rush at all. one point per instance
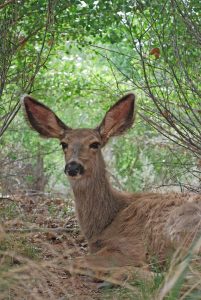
(119, 118)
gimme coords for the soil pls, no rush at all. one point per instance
(43, 236)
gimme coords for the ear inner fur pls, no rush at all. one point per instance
(119, 118)
(43, 119)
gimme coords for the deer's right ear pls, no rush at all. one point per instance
(43, 119)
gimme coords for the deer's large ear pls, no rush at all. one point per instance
(43, 119)
(118, 119)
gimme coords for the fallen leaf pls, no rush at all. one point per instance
(155, 52)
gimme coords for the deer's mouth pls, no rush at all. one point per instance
(74, 169)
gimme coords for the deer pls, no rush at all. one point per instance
(121, 228)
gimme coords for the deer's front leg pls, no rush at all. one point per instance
(111, 267)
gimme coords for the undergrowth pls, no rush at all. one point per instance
(35, 264)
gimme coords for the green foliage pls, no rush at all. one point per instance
(78, 57)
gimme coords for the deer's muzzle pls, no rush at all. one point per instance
(73, 169)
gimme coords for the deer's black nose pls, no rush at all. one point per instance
(73, 169)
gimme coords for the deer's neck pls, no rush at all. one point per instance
(97, 203)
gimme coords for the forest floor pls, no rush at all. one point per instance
(35, 254)
(39, 237)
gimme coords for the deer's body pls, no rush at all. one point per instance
(137, 226)
(121, 228)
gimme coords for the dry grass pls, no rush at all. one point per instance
(183, 279)
(34, 263)
(39, 240)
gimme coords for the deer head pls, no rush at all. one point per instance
(81, 147)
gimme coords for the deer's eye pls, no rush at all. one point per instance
(64, 145)
(94, 145)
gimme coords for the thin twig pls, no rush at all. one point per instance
(36, 229)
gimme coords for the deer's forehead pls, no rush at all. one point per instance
(81, 136)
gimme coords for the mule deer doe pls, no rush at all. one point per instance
(122, 229)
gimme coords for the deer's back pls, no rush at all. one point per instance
(152, 225)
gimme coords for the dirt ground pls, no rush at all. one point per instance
(39, 238)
